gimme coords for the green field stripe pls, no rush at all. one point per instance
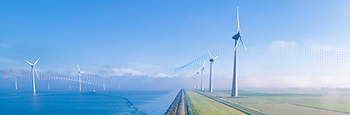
(197, 104)
(315, 107)
(236, 106)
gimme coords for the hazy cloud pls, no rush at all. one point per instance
(3, 45)
(140, 65)
(309, 44)
(121, 72)
(312, 44)
(287, 81)
(6, 60)
(284, 42)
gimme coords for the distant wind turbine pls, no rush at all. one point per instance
(79, 75)
(202, 72)
(34, 71)
(15, 78)
(104, 82)
(236, 37)
(211, 60)
(196, 73)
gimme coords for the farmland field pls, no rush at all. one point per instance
(292, 101)
(197, 104)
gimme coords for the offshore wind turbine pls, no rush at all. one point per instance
(15, 78)
(202, 71)
(79, 77)
(236, 37)
(211, 60)
(34, 70)
(104, 82)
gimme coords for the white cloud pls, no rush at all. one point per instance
(121, 72)
(160, 75)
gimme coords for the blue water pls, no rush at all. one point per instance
(73, 102)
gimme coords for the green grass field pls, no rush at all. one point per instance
(329, 102)
(292, 102)
(197, 104)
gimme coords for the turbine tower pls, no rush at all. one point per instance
(34, 70)
(236, 37)
(211, 60)
(79, 77)
(202, 71)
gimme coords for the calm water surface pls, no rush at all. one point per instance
(72, 102)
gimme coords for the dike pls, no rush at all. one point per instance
(178, 105)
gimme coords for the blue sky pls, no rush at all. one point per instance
(158, 34)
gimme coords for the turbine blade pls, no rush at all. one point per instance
(238, 30)
(209, 53)
(14, 72)
(215, 57)
(204, 64)
(78, 67)
(243, 43)
(37, 60)
(37, 75)
(28, 62)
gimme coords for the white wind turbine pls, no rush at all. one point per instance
(34, 70)
(236, 37)
(79, 75)
(15, 78)
(202, 72)
(211, 60)
(195, 74)
(104, 82)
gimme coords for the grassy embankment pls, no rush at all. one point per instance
(197, 104)
(174, 106)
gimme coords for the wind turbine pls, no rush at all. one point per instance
(104, 82)
(195, 74)
(202, 71)
(15, 78)
(236, 37)
(211, 60)
(34, 70)
(79, 75)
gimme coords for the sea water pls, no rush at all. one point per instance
(88, 102)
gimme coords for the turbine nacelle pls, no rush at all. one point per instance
(237, 36)
(211, 58)
(196, 73)
(79, 71)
